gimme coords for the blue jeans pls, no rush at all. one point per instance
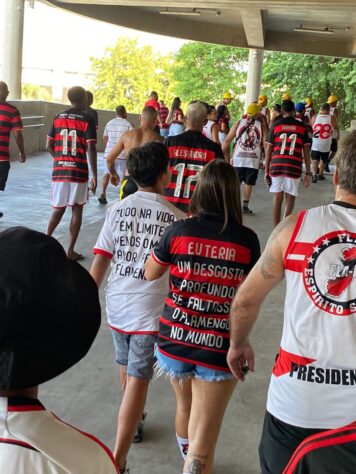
(177, 369)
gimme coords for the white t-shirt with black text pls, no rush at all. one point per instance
(131, 230)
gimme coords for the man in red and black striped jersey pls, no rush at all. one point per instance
(72, 136)
(288, 142)
(189, 152)
(10, 120)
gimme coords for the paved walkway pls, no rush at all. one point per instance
(88, 395)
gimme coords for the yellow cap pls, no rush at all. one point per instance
(253, 109)
(262, 98)
(286, 96)
(308, 102)
(227, 95)
(332, 99)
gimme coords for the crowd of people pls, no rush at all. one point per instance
(186, 282)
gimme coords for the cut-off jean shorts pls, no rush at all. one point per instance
(178, 370)
(135, 352)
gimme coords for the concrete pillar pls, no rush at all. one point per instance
(254, 75)
(11, 31)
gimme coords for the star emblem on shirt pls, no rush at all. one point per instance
(326, 242)
(316, 249)
(310, 260)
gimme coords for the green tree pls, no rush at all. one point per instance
(127, 73)
(205, 71)
(35, 92)
(312, 76)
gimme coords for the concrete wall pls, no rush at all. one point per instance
(35, 137)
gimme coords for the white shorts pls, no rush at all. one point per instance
(69, 194)
(120, 167)
(282, 183)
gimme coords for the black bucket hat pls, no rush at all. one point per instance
(49, 309)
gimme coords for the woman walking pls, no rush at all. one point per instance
(208, 257)
(211, 128)
(175, 118)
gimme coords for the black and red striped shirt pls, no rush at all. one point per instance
(163, 114)
(10, 119)
(189, 152)
(206, 268)
(71, 131)
(287, 136)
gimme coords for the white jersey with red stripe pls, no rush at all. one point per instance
(207, 129)
(34, 440)
(313, 382)
(322, 133)
(247, 151)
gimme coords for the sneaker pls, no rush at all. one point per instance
(314, 179)
(124, 470)
(102, 200)
(139, 433)
(321, 177)
(1, 214)
(246, 210)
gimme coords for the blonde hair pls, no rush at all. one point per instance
(345, 161)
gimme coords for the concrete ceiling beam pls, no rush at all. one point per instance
(252, 21)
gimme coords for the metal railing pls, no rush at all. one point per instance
(34, 117)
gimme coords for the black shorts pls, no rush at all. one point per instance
(333, 145)
(247, 175)
(4, 173)
(128, 187)
(278, 443)
(320, 155)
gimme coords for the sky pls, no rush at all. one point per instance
(79, 38)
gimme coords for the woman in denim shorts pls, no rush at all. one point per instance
(208, 257)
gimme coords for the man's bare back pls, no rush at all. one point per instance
(129, 140)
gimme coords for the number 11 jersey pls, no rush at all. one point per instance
(71, 131)
(189, 152)
(287, 136)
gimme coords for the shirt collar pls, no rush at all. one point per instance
(344, 204)
(21, 404)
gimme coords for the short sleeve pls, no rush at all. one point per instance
(161, 253)
(106, 131)
(105, 243)
(90, 134)
(16, 122)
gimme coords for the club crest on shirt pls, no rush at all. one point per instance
(330, 273)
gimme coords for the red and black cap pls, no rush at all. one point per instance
(49, 309)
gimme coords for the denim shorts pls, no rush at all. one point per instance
(136, 353)
(176, 369)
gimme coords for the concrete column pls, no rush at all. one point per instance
(11, 31)
(254, 75)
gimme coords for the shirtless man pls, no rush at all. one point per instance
(134, 138)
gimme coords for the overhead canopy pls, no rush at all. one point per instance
(325, 27)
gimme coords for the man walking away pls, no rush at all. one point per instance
(312, 387)
(89, 109)
(250, 133)
(189, 152)
(323, 126)
(112, 133)
(287, 144)
(71, 136)
(10, 120)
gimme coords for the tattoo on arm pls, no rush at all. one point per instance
(268, 263)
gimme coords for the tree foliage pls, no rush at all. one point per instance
(127, 73)
(311, 76)
(35, 92)
(205, 71)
